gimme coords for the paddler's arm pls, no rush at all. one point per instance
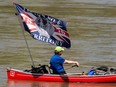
(71, 62)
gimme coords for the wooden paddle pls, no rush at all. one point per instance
(70, 67)
(83, 73)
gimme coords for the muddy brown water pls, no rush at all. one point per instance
(91, 25)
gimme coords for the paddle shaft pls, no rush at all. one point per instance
(70, 67)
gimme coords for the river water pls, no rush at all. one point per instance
(91, 25)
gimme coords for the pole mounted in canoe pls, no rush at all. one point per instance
(21, 22)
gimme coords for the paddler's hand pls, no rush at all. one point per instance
(77, 64)
(72, 62)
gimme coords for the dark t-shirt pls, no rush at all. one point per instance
(56, 63)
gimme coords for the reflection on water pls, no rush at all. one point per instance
(91, 25)
(15, 83)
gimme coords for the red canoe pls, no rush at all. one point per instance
(21, 75)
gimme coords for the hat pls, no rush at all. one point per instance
(59, 49)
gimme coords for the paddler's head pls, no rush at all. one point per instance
(58, 50)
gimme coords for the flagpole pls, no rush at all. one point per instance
(25, 39)
(28, 48)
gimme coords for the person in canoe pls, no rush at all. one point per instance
(56, 61)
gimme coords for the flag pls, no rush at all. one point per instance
(43, 27)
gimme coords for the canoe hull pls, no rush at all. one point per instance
(20, 75)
